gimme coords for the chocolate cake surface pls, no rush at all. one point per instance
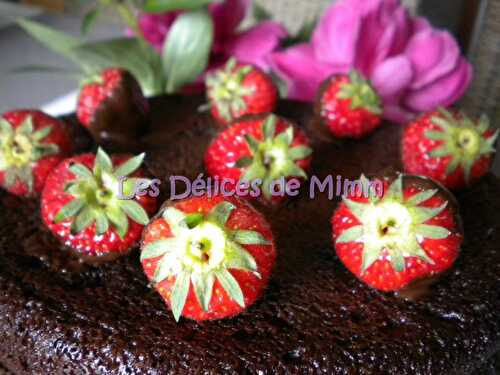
(58, 315)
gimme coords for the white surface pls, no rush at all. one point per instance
(62, 105)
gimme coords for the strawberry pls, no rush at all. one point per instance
(263, 147)
(238, 90)
(81, 203)
(348, 106)
(208, 257)
(31, 144)
(112, 105)
(449, 147)
(411, 231)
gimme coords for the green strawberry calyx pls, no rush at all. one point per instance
(20, 149)
(226, 89)
(273, 157)
(462, 139)
(201, 250)
(361, 93)
(394, 224)
(96, 196)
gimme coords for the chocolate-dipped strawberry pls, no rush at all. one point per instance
(112, 106)
(411, 231)
(450, 147)
(89, 203)
(32, 143)
(261, 148)
(209, 258)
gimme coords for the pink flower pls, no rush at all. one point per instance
(253, 45)
(413, 66)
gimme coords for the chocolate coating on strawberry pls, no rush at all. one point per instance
(238, 90)
(82, 203)
(114, 109)
(262, 148)
(348, 106)
(209, 258)
(412, 231)
(449, 147)
(31, 145)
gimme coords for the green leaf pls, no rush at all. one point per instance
(53, 39)
(421, 197)
(254, 172)
(81, 171)
(356, 208)
(231, 286)
(249, 237)
(432, 232)
(157, 248)
(89, 20)
(252, 143)
(187, 48)
(102, 162)
(203, 288)
(27, 126)
(395, 191)
(160, 6)
(179, 294)
(220, 213)
(452, 166)
(119, 220)
(5, 127)
(139, 58)
(243, 162)
(370, 256)
(69, 210)
(397, 261)
(351, 234)
(440, 151)
(269, 127)
(193, 220)
(299, 152)
(285, 137)
(83, 220)
(101, 223)
(237, 257)
(135, 211)
(130, 166)
(422, 214)
(42, 133)
(435, 135)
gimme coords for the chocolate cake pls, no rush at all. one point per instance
(59, 315)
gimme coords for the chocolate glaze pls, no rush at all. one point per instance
(122, 118)
(315, 317)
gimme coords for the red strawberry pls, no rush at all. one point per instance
(239, 90)
(264, 147)
(349, 106)
(81, 203)
(209, 258)
(411, 231)
(31, 144)
(112, 105)
(449, 147)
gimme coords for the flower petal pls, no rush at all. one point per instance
(433, 54)
(336, 36)
(442, 92)
(255, 45)
(393, 76)
(299, 68)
